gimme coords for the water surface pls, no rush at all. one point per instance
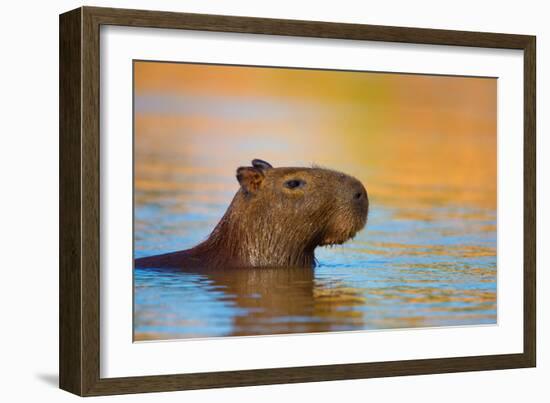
(425, 148)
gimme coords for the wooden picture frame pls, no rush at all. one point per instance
(80, 199)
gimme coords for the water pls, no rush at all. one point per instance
(395, 274)
(428, 254)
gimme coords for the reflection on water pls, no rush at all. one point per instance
(396, 274)
(428, 254)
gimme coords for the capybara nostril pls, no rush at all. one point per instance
(358, 195)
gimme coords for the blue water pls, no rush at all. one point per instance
(399, 272)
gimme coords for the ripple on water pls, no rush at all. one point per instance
(400, 273)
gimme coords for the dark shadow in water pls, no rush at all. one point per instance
(282, 300)
(285, 300)
(49, 379)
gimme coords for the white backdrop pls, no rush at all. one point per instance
(29, 212)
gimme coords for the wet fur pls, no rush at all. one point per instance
(270, 225)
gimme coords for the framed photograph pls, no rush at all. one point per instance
(249, 201)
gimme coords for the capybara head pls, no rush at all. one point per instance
(280, 215)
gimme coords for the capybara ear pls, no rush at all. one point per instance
(250, 178)
(261, 164)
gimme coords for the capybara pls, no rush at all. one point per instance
(276, 219)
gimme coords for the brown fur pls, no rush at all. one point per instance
(272, 223)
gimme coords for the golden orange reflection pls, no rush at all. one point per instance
(412, 138)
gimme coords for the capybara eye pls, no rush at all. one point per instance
(294, 183)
